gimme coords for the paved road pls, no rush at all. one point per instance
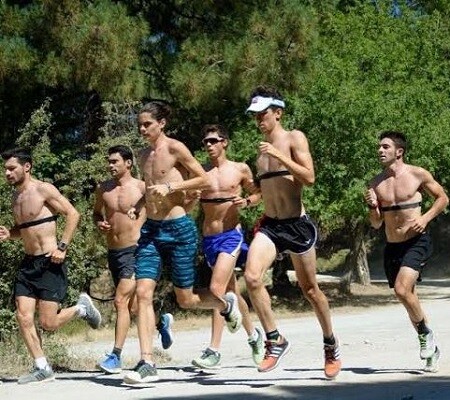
(379, 349)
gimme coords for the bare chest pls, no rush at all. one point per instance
(158, 165)
(121, 198)
(395, 190)
(266, 163)
(225, 180)
(28, 206)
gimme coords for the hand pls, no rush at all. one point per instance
(103, 226)
(371, 198)
(57, 256)
(161, 190)
(239, 201)
(269, 149)
(133, 213)
(4, 233)
(417, 224)
(193, 194)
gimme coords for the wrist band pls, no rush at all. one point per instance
(169, 187)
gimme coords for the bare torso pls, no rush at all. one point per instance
(160, 166)
(117, 200)
(29, 205)
(226, 181)
(397, 190)
(282, 195)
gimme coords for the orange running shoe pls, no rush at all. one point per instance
(332, 360)
(275, 350)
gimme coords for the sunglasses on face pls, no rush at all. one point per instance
(211, 141)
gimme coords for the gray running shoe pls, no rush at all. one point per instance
(209, 359)
(233, 317)
(432, 363)
(257, 347)
(93, 316)
(142, 373)
(37, 376)
(427, 345)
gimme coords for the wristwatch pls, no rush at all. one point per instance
(62, 246)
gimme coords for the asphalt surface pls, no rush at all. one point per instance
(380, 354)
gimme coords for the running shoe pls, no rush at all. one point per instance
(332, 360)
(37, 375)
(432, 363)
(165, 330)
(257, 347)
(209, 359)
(275, 350)
(233, 316)
(427, 345)
(111, 364)
(92, 316)
(142, 373)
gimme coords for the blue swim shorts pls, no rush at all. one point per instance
(230, 242)
(175, 241)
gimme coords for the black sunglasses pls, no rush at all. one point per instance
(211, 140)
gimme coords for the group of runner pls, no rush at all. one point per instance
(147, 226)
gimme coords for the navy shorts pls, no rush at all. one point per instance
(174, 240)
(122, 263)
(413, 253)
(41, 279)
(291, 235)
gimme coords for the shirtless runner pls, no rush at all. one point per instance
(169, 170)
(113, 199)
(41, 280)
(394, 197)
(284, 166)
(224, 246)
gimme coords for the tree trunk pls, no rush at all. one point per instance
(356, 266)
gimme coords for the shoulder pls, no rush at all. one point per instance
(44, 187)
(419, 172)
(241, 166)
(297, 137)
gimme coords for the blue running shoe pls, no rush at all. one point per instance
(165, 330)
(111, 364)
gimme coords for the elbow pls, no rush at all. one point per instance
(309, 181)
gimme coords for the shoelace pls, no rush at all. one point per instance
(423, 341)
(330, 353)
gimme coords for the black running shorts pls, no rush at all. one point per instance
(291, 235)
(41, 279)
(413, 253)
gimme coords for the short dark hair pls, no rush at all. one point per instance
(398, 138)
(215, 128)
(22, 154)
(266, 91)
(125, 152)
(158, 109)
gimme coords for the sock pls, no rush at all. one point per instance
(117, 352)
(41, 363)
(253, 337)
(331, 341)
(422, 328)
(81, 311)
(274, 335)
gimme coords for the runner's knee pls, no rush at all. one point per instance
(252, 280)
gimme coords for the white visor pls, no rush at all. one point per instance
(260, 103)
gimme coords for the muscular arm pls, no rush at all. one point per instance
(435, 190)
(254, 193)
(375, 215)
(199, 178)
(301, 165)
(57, 202)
